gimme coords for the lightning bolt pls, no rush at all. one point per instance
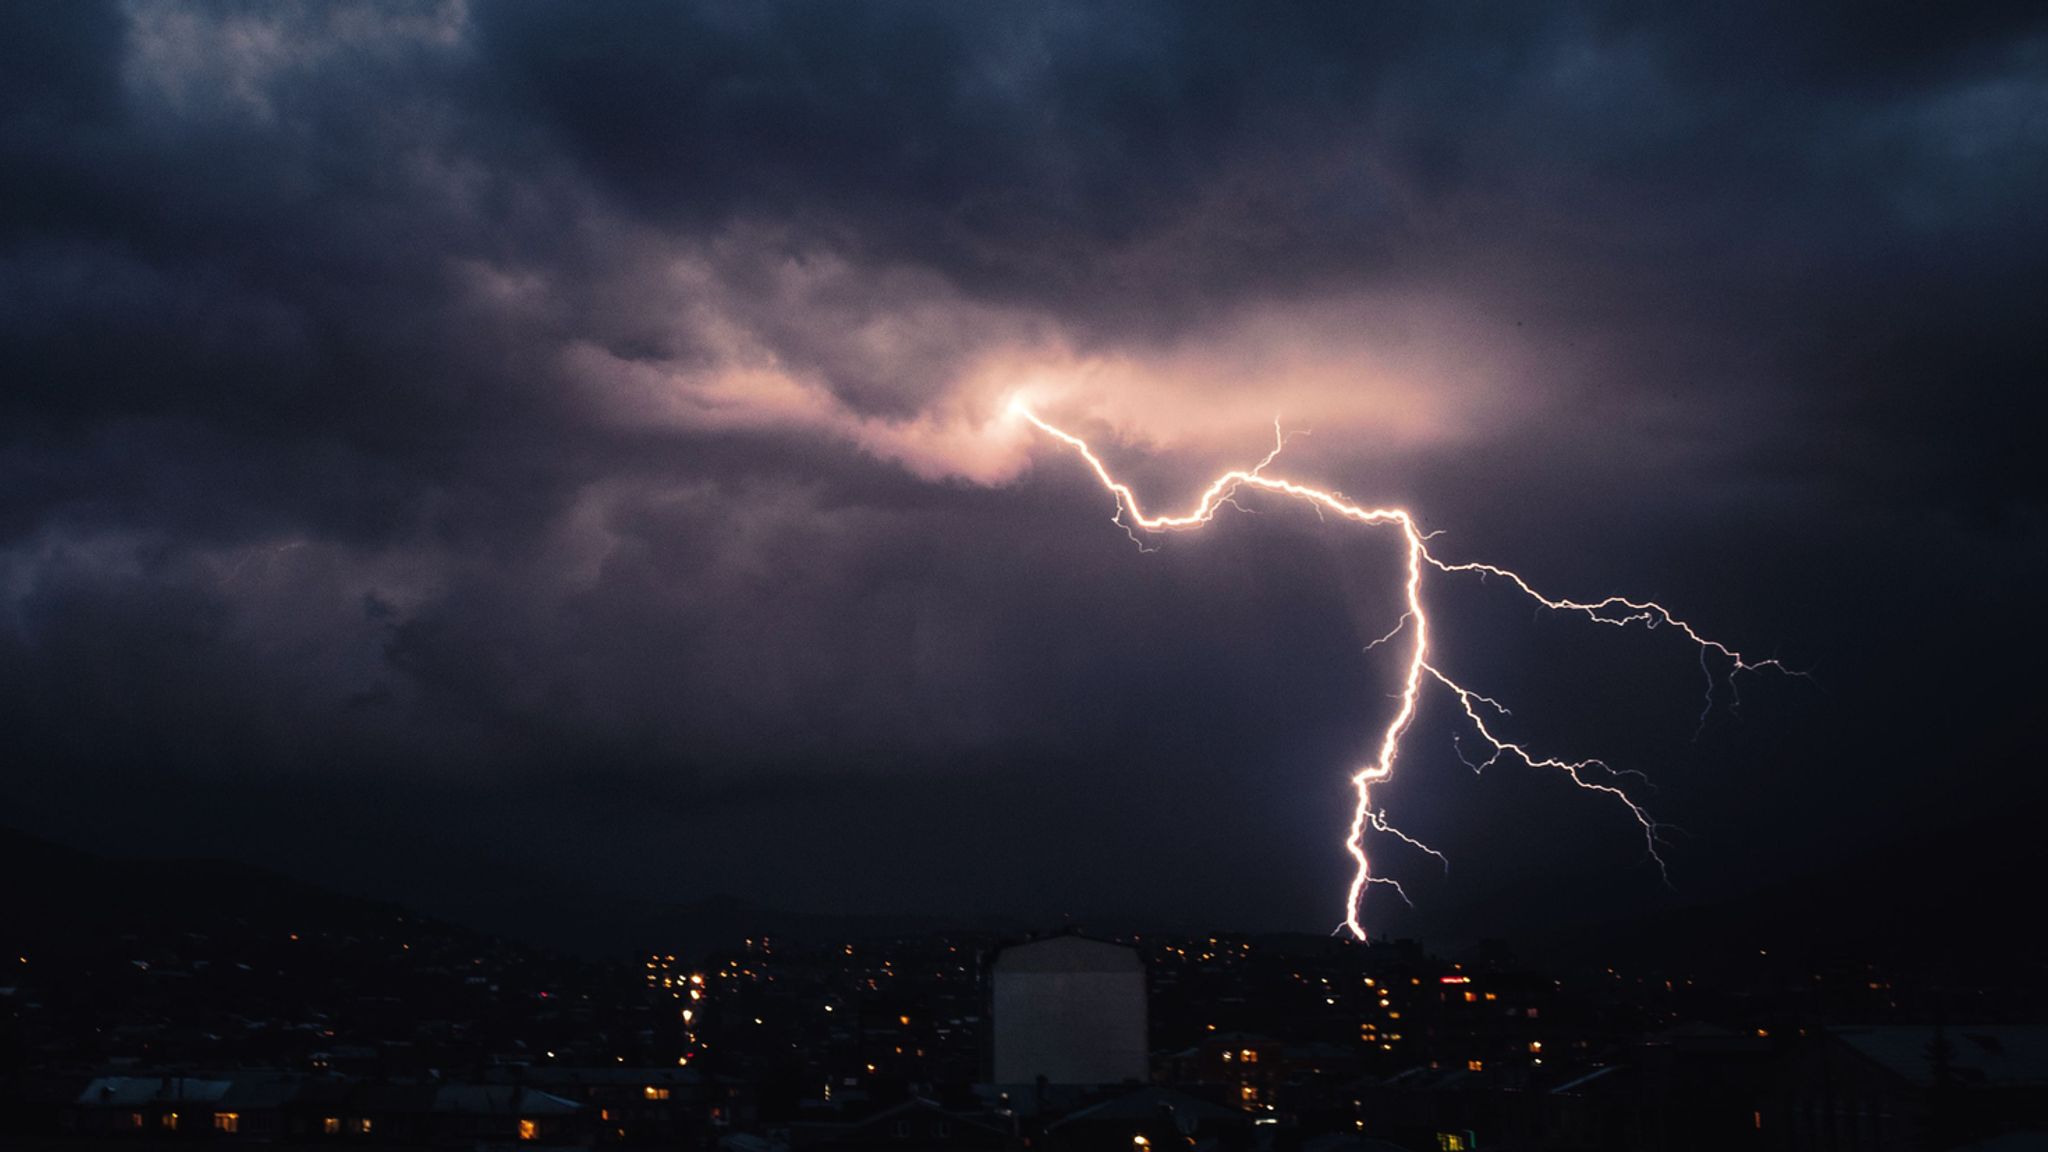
(1418, 672)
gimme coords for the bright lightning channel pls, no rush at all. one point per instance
(1618, 611)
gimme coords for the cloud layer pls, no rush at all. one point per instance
(584, 427)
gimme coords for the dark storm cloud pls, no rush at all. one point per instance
(591, 405)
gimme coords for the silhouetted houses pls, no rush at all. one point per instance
(112, 1105)
(1261, 1073)
(264, 1107)
(1879, 1089)
(914, 1125)
(1150, 1119)
(646, 1105)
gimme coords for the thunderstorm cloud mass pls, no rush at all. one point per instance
(487, 452)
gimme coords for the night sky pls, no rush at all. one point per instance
(514, 457)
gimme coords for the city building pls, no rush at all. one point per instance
(1069, 1010)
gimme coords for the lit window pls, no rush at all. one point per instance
(227, 1121)
(1451, 1142)
(654, 1093)
(1249, 1093)
(363, 1125)
(528, 1130)
(135, 1119)
(331, 1125)
(170, 1121)
(1249, 1056)
(1475, 1065)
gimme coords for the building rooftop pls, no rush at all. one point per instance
(124, 1091)
(2004, 1055)
(1146, 1103)
(1068, 954)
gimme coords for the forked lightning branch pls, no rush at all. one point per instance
(1420, 673)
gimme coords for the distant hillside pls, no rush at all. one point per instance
(721, 921)
(1953, 898)
(72, 902)
(1949, 897)
(64, 902)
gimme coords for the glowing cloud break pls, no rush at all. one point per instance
(1419, 673)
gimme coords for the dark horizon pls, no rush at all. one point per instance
(1919, 928)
